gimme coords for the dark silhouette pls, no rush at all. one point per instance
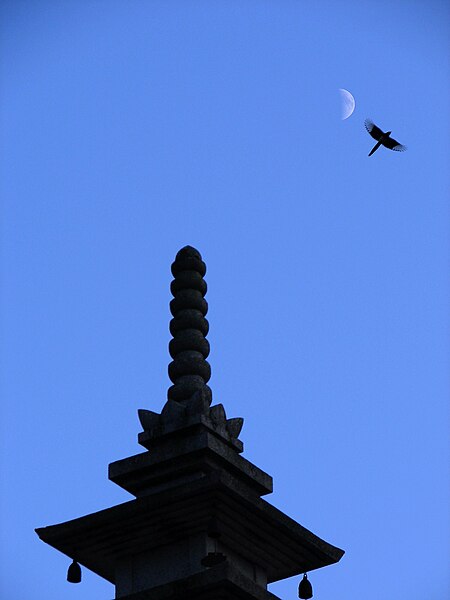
(382, 138)
(198, 527)
(305, 588)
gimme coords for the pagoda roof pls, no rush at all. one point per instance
(255, 528)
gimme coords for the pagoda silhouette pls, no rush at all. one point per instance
(198, 527)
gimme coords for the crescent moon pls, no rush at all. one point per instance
(347, 103)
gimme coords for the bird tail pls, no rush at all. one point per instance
(377, 145)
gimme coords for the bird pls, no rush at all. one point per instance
(382, 138)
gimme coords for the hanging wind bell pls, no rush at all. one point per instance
(74, 572)
(305, 588)
(213, 558)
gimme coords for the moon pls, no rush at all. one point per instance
(347, 103)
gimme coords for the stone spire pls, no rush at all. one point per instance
(189, 398)
(189, 371)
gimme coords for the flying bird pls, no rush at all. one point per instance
(382, 138)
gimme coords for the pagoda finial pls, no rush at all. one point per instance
(189, 371)
(189, 398)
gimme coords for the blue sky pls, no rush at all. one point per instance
(130, 129)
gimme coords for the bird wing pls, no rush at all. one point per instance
(394, 145)
(374, 131)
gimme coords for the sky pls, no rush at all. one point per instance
(130, 129)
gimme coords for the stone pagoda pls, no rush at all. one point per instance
(198, 527)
